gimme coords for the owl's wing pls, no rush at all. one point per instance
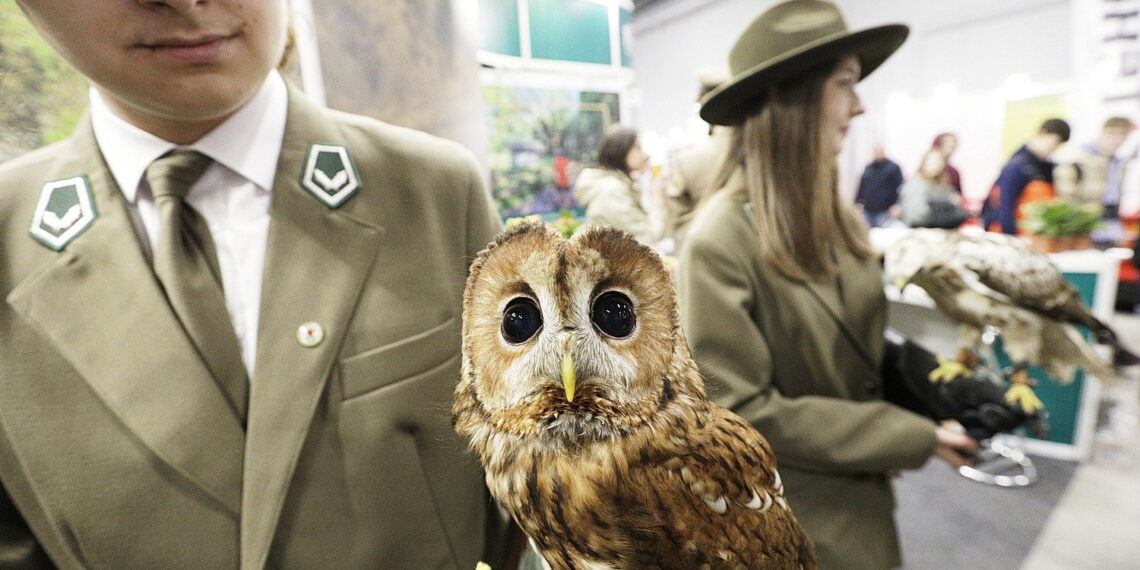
(1010, 266)
(735, 499)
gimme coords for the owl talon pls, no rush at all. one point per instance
(948, 370)
(1022, 396)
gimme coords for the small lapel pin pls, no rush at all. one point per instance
(65, 209)
(329, 174)
(310, 334)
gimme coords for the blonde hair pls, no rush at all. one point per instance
(943, 178)
(792, 183)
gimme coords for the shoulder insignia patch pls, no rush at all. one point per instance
(65, 209)
(329, 174)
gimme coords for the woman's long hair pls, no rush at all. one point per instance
(791, 181)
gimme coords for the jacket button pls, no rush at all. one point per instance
(872, 387)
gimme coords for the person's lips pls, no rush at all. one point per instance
(200, 48)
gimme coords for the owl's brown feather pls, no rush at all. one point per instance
(639, 469)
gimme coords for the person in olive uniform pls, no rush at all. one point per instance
(781, 295)
(278, 399)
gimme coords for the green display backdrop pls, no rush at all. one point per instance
(499, 23)
(559, 30)
(570, 30)
(625, 19)
(1063, 402)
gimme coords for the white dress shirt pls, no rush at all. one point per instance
(233, 195)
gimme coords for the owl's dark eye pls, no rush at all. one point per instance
(521, 320)
(613, 314)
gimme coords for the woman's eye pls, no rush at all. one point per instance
(613, 314)
(521, 320)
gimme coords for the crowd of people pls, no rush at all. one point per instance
(1092, 174)
(276, 287)
(930, 197)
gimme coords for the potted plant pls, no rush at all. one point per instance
(1058, 225)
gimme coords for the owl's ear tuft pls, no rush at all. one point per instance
(522, 229)
(617, 244)
(508, 234)
(537, 232)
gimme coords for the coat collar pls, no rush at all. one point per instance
(140, 361)
(834, 294)
(316, 261)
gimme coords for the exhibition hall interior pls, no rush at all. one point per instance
(981, 95)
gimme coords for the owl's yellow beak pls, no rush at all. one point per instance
(901, 284)
(569, 381)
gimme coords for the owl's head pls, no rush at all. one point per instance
(574, 339)
(919, 250)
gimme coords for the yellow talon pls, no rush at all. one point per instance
(1022, 395)
(948, 370)
(482, 566)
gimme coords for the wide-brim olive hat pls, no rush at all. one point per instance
(787, 39)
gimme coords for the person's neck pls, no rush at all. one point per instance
(177, 131)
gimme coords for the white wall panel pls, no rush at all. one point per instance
(973, 45)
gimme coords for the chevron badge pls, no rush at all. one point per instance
(329, 174)
(64, 211)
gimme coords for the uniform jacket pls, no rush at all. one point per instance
(693, 175)
(801, 362)
(119, 449)
(611, 198)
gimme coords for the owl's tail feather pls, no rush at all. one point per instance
(1122, 357)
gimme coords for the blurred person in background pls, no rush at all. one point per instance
(1094, 174)
(1026, 178)
(694, 167)
(878, 193)
(927, 198)
(948, 143)
(609, 191)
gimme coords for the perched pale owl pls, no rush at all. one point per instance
(581, 399)
(1002, 281)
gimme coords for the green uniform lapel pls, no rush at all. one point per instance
(317, 258)
(99, 304)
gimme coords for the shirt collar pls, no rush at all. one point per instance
(248, 142)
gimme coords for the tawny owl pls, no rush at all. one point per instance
(582, 401)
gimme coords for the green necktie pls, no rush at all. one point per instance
(186, 265)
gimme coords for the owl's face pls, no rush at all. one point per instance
(569, 338)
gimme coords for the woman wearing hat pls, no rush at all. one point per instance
(781, 294)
